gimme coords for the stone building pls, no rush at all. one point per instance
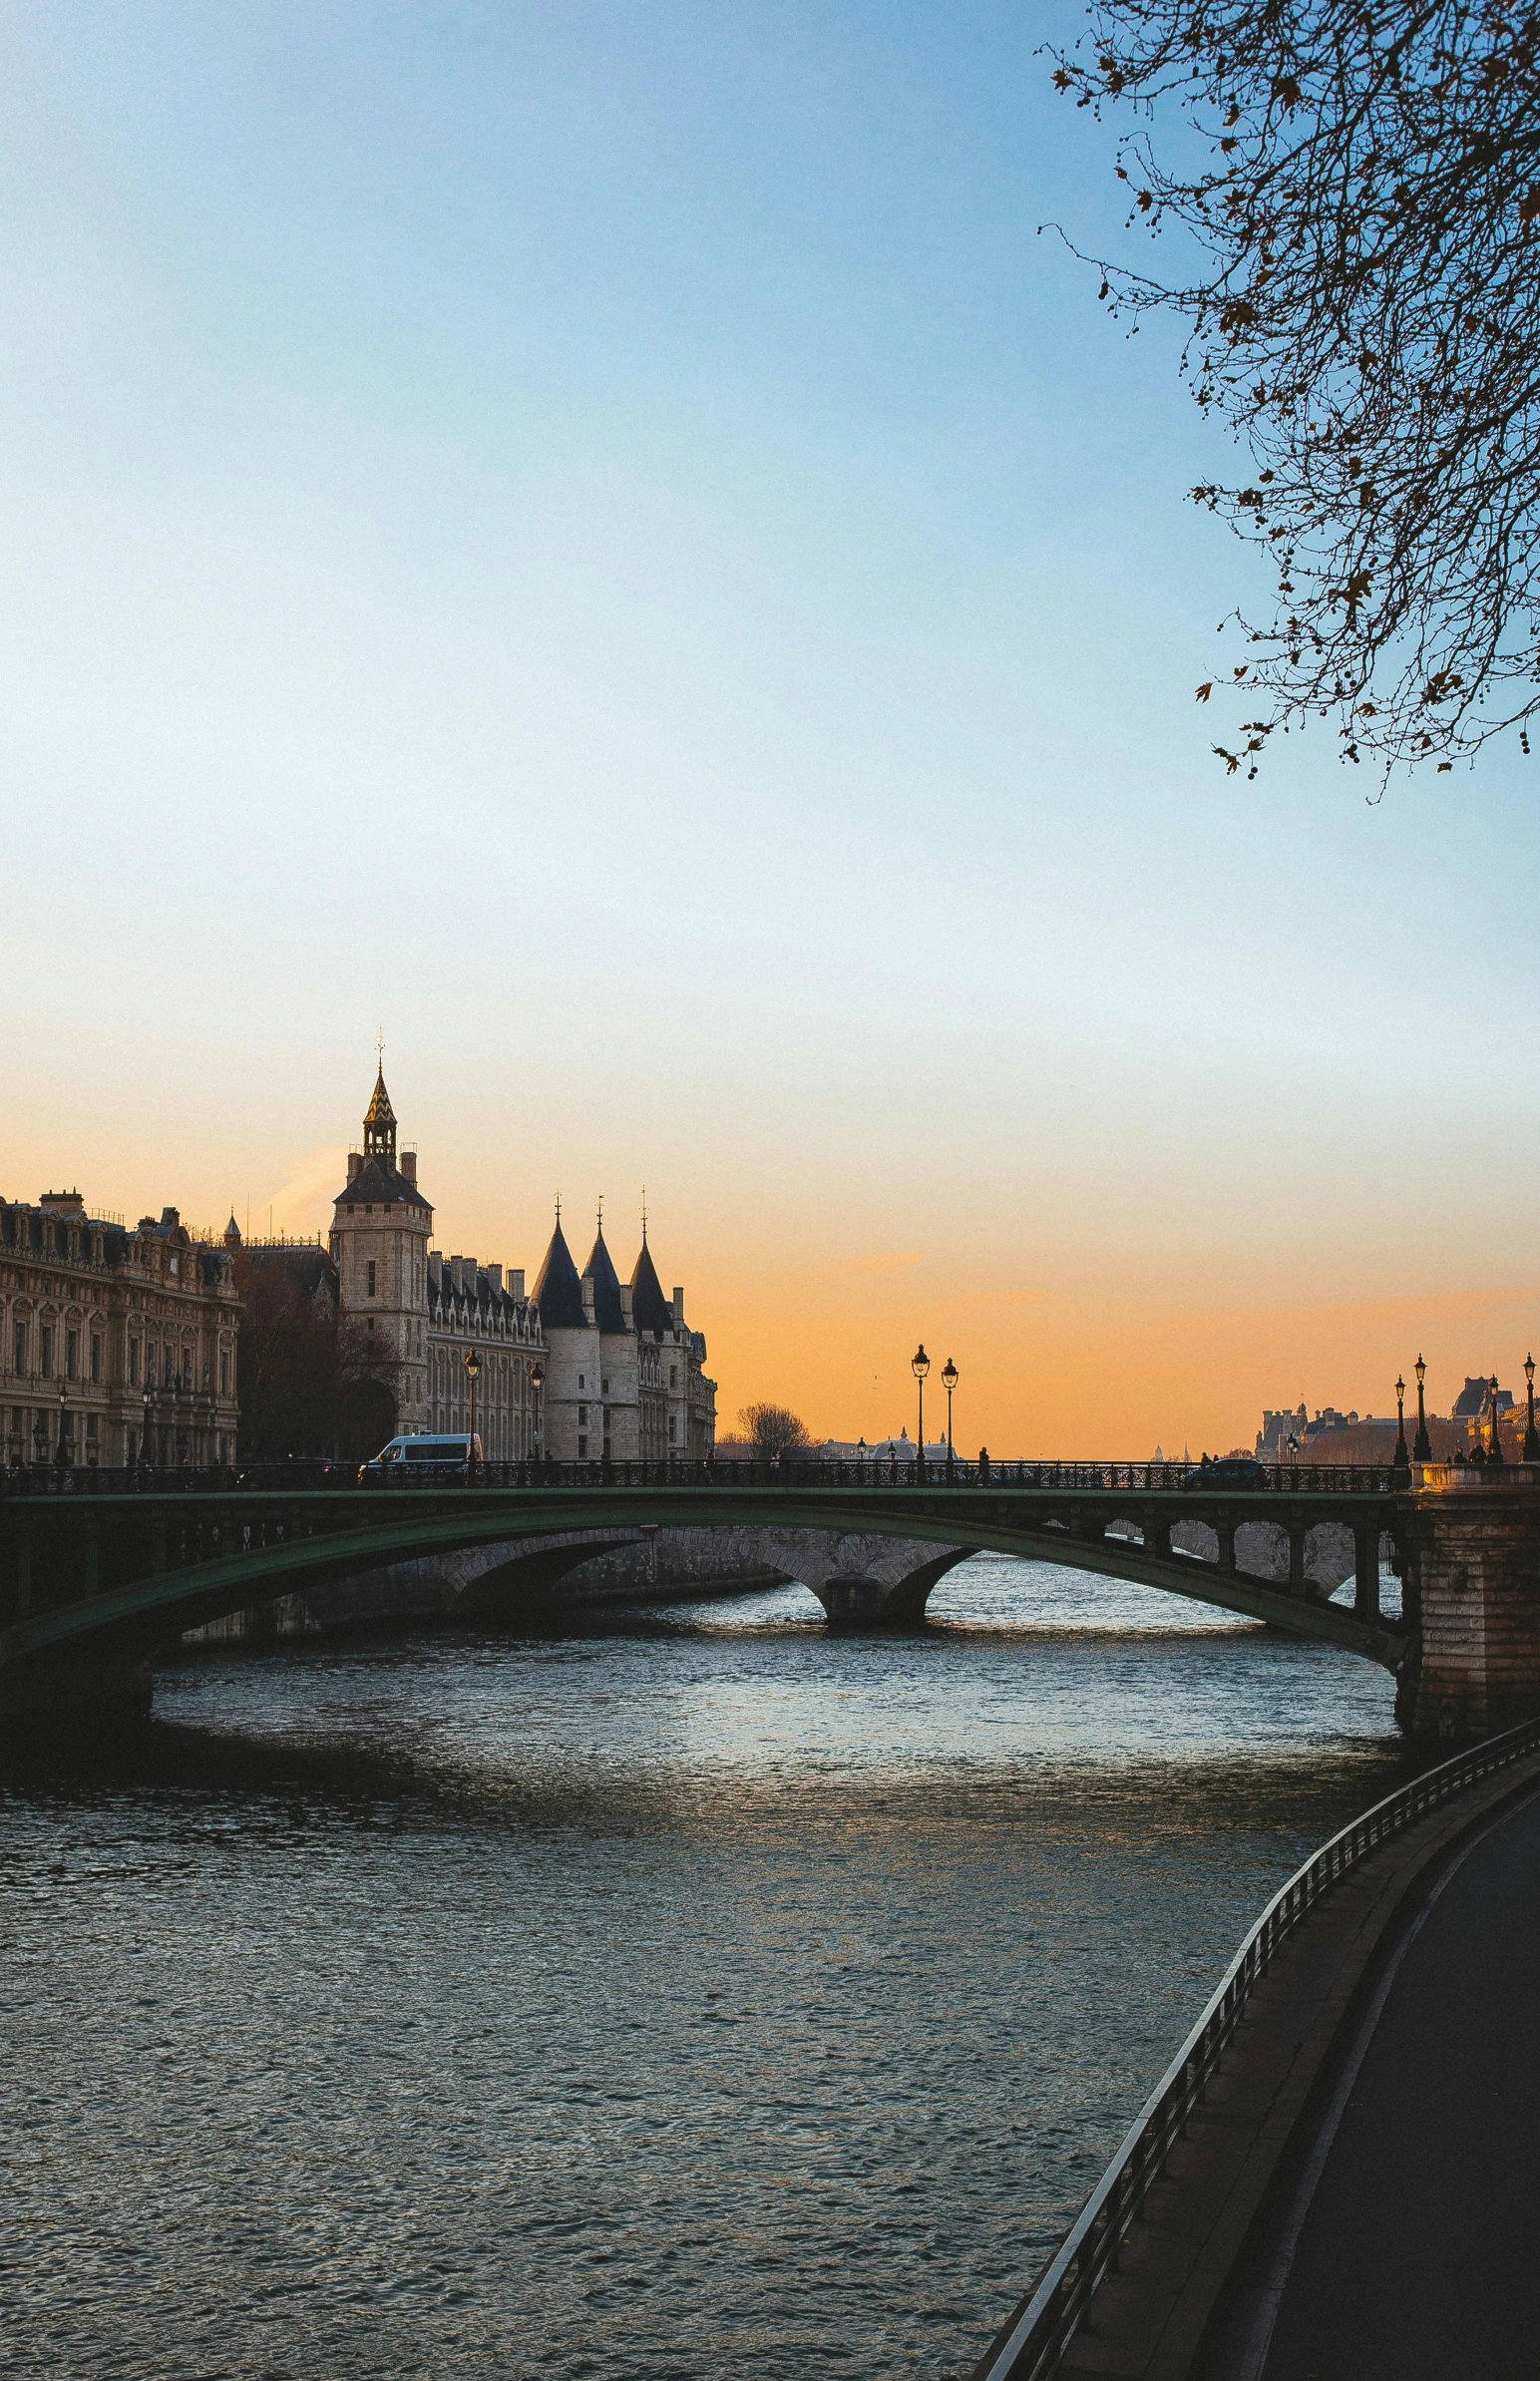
(583, 1367)
(108, 1335)
(625, 1374)
(429, 1311)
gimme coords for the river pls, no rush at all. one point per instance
(673, 1994)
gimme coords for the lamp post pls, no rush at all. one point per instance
(62, 1451)
(536, 1384)
(1531, 1442)
(951, 1377)
(1403, 1462)
(147, 1443)
(919, 1365)
(472, 1363)
(1495, 1452)
(1294, 1451)
(1421, 1448)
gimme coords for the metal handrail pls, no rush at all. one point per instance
(1033, 2343)
(48, 1478)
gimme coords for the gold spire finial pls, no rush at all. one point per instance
(644, 1215)
(558, 1211)
(602, 1215)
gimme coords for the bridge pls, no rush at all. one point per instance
(99, 1569)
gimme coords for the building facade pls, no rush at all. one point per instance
(625, 1374)
(585, 1367)
(114, 1342)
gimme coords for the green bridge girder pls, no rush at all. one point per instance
(128, 1571)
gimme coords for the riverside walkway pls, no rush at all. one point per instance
(1335, 2179)
(1409, 2253)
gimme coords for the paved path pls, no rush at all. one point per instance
(1419, 2256)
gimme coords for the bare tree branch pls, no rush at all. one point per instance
(1366, 186)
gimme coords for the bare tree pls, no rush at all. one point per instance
(311, 1382)
(1361, 182)
(774, 1430)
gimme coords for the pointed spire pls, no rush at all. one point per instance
(232, 1230)
(608, 1311)
(650, 1310)
(557, 1292)
(380, 1121)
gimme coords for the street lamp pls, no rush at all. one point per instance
(1293, 1449)
(1421, 1451)
(949, 1377)
(146, 1443)
(1402, 1459)
(62, 1451)
(1531, 1443)
(473, 1374)
(919, 1365)
(537, 1383)
(1494, 1452)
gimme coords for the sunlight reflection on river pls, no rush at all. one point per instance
(677, 1993)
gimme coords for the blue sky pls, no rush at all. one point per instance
(603, 539)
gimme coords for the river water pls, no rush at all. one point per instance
(684, 1994)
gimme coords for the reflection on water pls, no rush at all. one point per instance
(687, 1994)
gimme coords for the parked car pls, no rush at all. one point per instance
(430, 1455)
(1229, 1471)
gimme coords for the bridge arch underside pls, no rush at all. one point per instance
(323, 1540)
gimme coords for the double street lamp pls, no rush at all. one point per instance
(1494, 1452)
(949, 1377)
(919, 1365)
(1403, 1462)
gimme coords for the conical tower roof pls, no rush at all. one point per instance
(380, 1123)
(557, 1292)
(607, 1286)
(650, 1310)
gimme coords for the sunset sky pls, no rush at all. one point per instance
(601, 541)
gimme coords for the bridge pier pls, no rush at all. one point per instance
(1473, 1596)
(1366, 1570)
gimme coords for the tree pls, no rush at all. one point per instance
(310, 1383)
(1361, 182)
(774, 1430)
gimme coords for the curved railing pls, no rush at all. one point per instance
(1033, 2342)
(52, 1479)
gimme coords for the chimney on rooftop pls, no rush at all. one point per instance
(516, 1282)
(587, 1286)
(408, 1163)
(494, 1276)
(678, 1306)
(355, 1158)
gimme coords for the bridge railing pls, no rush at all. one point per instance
(1033, 2342)
(53, 1479)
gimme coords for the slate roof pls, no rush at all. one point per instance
(557, 1292)
(607, 1286)
(650, 1310)
(378, 1180)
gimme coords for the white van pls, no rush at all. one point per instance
(432, 1455)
